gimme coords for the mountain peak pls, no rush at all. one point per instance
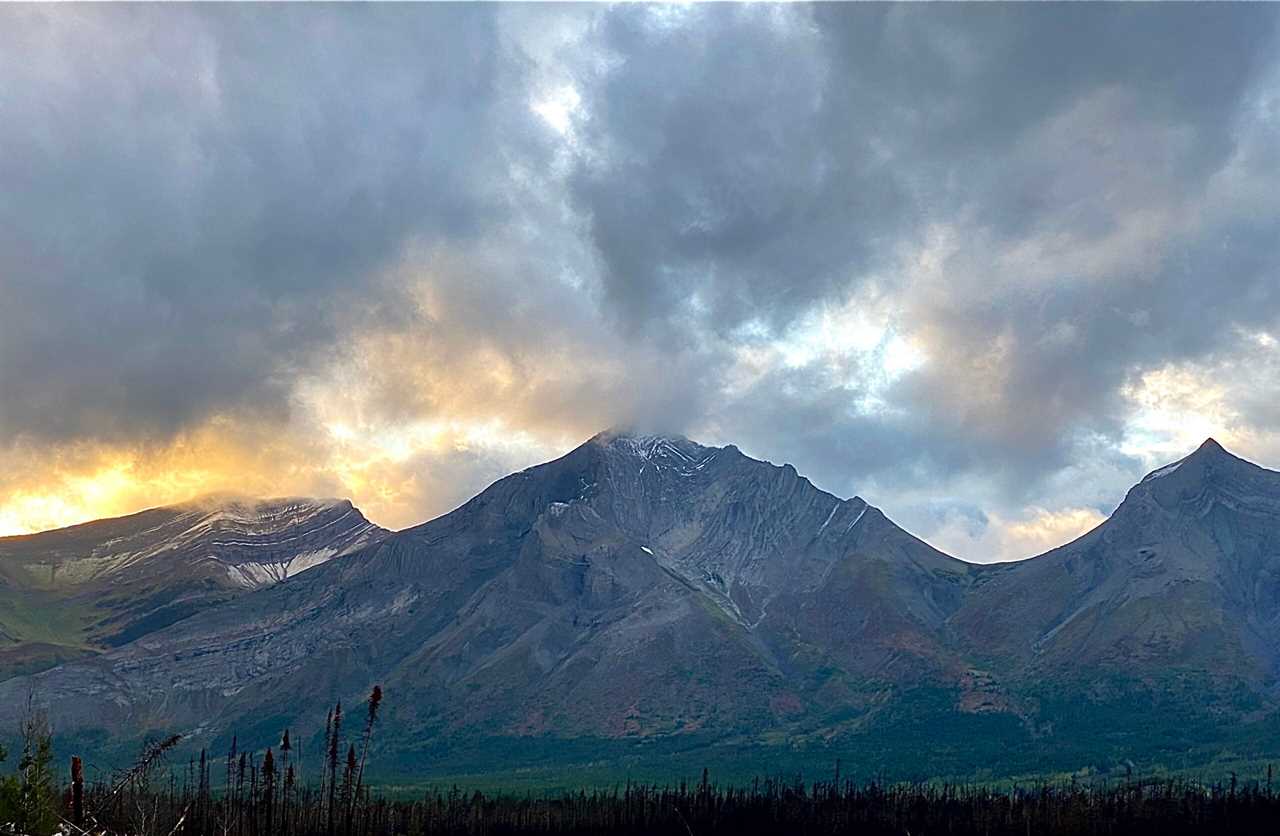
(1211, 470)
(627, 434)
(1207, 453)
(654, 448)
(1211, 447)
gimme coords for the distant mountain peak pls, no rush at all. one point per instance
(646, 444)
(656, 449)
(631, 436)
(1210, 472)
(1211, 445)
(1210, 452)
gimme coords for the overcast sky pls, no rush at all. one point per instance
(982, 265)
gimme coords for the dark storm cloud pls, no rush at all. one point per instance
(762, 157)
(756, 161)
(202, 206)
(718, 177)
(189, 192)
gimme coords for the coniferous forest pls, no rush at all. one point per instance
(257, 793)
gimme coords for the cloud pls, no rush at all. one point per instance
(1030, 532)
(190, 194)
(943, 257)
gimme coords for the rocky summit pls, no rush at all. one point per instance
(645, 598)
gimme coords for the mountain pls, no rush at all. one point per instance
(637, 587)
(102, 584)
(1185, 575)
(653, 602)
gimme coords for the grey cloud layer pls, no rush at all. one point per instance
(200, 205)
(189, 192)
(767, 167)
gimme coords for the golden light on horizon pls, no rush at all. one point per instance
(403, 424)
(56, 485)
(116, 489)
(397, 474)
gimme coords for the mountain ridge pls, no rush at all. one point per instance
(648, 588)
(602, 529)
(106, 582)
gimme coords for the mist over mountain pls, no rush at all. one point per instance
(645, 595)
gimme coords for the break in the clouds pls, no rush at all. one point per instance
(983, 265)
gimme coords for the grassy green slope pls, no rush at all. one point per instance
(40, 629)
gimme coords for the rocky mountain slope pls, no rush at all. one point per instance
(1185, 575)
(105, 583)
(667, 598)
(638, 585)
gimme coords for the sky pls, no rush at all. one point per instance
(982, 265)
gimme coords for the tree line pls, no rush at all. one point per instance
(258, 793)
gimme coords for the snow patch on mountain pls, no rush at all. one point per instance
(257, 542)
(685, 457)
(253, 574)
(1163, 471)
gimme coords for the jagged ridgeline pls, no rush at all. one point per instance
(646, 606)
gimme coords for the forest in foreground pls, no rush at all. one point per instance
(766, 807)
(258, 793)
